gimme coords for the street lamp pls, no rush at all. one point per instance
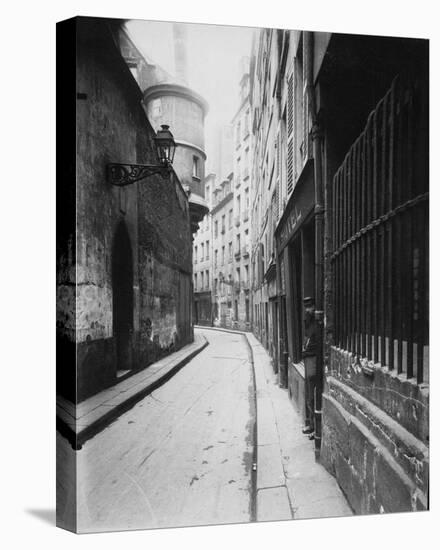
(126, 174)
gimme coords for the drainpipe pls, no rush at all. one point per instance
(317, 140)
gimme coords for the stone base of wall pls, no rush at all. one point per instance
(380, 466)
(96, 366)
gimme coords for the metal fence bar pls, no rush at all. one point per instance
(390, 262)
(383, 228)
(411, 236)
(364, 249)
(398, 305)
(380, 234)
(368, 326)
(357, 262)
(349, 253)
(376, 286)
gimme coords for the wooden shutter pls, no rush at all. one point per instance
(290, 135)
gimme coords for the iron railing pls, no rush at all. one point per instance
(380, 236)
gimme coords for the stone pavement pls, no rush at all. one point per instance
(80, 423)
(290, 483)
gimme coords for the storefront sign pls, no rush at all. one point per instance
(300, 205)
(290, 225)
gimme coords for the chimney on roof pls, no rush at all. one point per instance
(180, 60)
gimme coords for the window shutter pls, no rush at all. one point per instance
(306, 134)
(290, 135)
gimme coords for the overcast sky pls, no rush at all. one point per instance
(213, 61)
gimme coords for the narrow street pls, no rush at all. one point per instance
(207, 447)
(181, 456)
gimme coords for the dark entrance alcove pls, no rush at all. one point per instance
(122, 286)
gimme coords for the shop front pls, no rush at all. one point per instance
(295, 239)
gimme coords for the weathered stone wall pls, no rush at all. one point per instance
(240, 323)
(203, 309)
(112, 127)
(375, 436)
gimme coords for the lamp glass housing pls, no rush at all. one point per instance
(165, 145)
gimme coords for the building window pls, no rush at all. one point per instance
(196, 167)
(207, 279)
(215, 258)
(216, 228)
(203, 252)
(223, 255)
(156, 108)
(207, 250)
(202, 283)
(195, 281)
(223, 223)
(230, 219)
(195, 254)
(238, 134)
(230, 252)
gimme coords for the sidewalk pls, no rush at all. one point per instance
(290, 483)
(80, 423)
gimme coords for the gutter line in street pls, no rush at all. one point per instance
(255, 435)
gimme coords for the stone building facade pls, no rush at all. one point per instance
(202, 263)
(124, 268)
(340, 170)
(242, 154)
(221, 252)
(268, 185)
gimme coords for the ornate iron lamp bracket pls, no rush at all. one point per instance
(122, 175)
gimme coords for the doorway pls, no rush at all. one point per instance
(122, 287)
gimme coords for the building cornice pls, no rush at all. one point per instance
(224, 201)
(189, 145)
(177, 90)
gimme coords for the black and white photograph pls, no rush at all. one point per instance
(242, 274)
